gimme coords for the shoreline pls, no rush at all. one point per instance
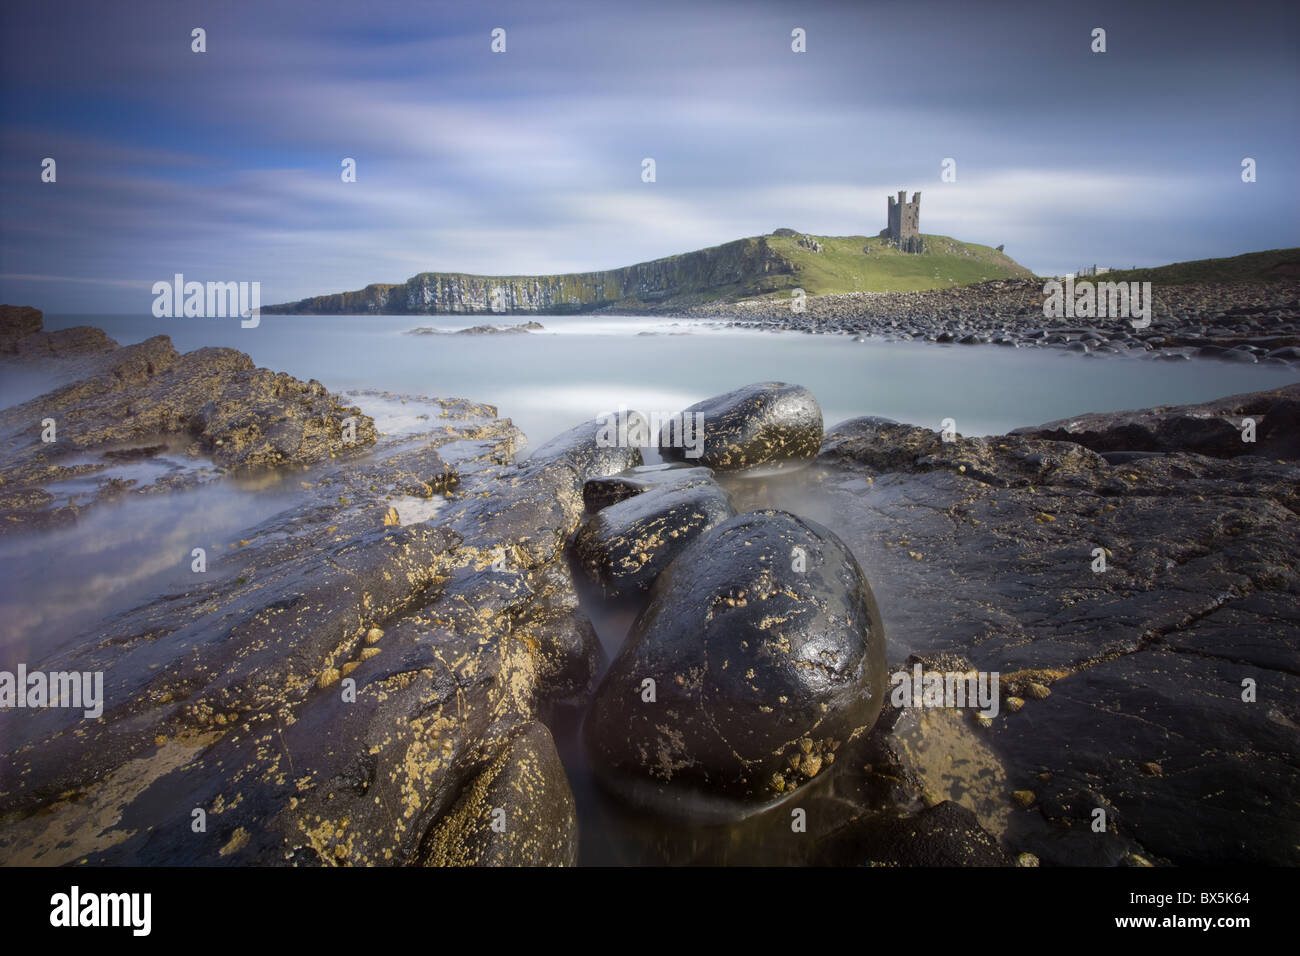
(468, 637)
(1234, 322)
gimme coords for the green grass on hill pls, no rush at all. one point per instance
(1267, 266)
(862, 264)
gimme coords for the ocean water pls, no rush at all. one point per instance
(582, 366)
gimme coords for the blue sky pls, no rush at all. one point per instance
(225, 165)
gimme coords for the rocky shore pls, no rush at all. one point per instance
(146, 401)
(356, 687)
(1242, 322)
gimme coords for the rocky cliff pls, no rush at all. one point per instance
(743, 267)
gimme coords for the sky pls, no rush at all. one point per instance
(226, 165)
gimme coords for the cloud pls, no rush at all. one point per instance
(226, 164)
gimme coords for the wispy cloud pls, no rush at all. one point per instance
(226, 164)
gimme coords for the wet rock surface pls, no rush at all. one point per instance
(766, 654)
(1217, 428)
(518, 812)
(138, 401)
(946, 834)
(602, 492)
(359, 683)
(1139, 686)
(329, 697)
(769, 423)
(624, 547)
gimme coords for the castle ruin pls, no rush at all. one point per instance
(904, 222)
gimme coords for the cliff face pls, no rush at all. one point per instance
(740, 267)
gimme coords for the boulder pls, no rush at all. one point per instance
(624, 547)
(769, 423)
(604, 491)
(766, 654)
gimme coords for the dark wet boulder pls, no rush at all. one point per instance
(604, 491)
(763, 424)
(624, 547)
(766, 653)
(593, 449)
(517, 812)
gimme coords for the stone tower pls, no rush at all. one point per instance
(904, 222)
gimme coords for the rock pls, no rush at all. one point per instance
(1198, 592)
(78, 340)
(536, 504)
(494, 329)
(1225, 354)
(211, 402)
(883, 446)
(584, 449)
(569, 654)
(1208, 428)
(21, 334)
(946, 834)
(766, 651)
(624, 547)
(1278, 435)
(18, 322)
(602, 492)
(518, 812)
(765, 424)
(332, 689)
